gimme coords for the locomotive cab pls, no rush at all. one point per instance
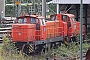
(73, 27)
(40, 29)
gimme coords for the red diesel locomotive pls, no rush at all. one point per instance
(32, 33)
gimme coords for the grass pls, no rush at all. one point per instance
(0, 54)
(8, 51)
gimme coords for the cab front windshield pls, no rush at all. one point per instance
(37, 21)
(22, 20)
(65, 18)
(33, 20)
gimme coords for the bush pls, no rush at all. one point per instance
(8, 48)
(9, 51)
(70, 52)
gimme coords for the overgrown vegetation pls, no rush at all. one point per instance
(64, 52)
(9, 51)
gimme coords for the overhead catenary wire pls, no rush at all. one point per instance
(51, 10)
(69, 8)
(66, 8)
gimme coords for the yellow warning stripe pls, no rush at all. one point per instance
(66, 42)
(30, 48)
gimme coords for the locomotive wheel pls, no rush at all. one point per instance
(59, 43)
(73, 39)
(27, 49)
(38, 49)
(46, 47)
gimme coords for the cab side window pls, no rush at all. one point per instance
(53, 18)
(73, 19)
(42, 21)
